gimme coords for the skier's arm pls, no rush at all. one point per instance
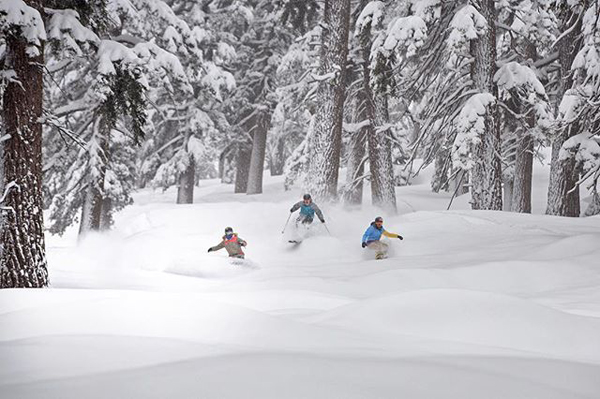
(296, 206)
(318, 212)
(242, 242)
(221, 245)
(392, 235)
(365, 236)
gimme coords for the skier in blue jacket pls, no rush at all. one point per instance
(307, 210)
(372, 238)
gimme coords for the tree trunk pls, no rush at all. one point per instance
(327, 139)
(242, 167)
(521, 198)
(91, 213)
(563, 173)
(23, 253)
(277, 160)
(383, 190)
(257, 157)
(486, 175)
(106, 218)
(185, 188)
(355, 167)
(440, 174)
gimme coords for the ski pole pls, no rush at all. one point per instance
(326, 228)
(286, 223)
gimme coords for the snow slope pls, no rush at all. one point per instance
(469, 305)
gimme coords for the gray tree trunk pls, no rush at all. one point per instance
(187, 180)
(277, 160)
(355, 167)
(22, 251)
(91, 213)
(242, 167)
(521, 197)
(257, 157)
(106, 217)
(383, 190)
(564, 173)
(327, 138)
(486, 175)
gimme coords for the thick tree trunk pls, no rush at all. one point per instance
(257, 158)
(22, 252)
(564, 173)
(106, 218)
(486, 175)
(277, 160)
(242, 167)
(383, 190)
(187, 180)
(327, 139)
(355, 167)
(521, 196)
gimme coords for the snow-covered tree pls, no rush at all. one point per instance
(327, 137)
(575, 148)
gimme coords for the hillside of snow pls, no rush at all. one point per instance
(469, 305)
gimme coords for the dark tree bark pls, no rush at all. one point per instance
(486, 175)
(23, 254)
(564, 173)
(257, 157)
(327, 139)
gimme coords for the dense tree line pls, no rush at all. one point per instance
(100, 98)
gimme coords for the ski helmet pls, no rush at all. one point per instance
(378, 219)
(306, 197)
(228, 230)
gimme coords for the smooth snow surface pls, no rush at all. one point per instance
(469, 305)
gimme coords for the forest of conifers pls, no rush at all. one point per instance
(100, 98)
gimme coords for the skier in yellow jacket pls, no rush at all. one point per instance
(372, 238)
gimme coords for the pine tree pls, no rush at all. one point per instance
(562, 199)
(324, 165)
(23, 259)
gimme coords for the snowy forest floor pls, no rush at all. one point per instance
(469, 305)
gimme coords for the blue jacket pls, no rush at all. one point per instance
(308, 211)
(374, 234)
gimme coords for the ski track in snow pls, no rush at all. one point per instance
(469, 305)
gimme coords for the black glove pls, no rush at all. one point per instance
(400, 237)
(292, 210)
(364, 244)
(210, 249)
(322, 220)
